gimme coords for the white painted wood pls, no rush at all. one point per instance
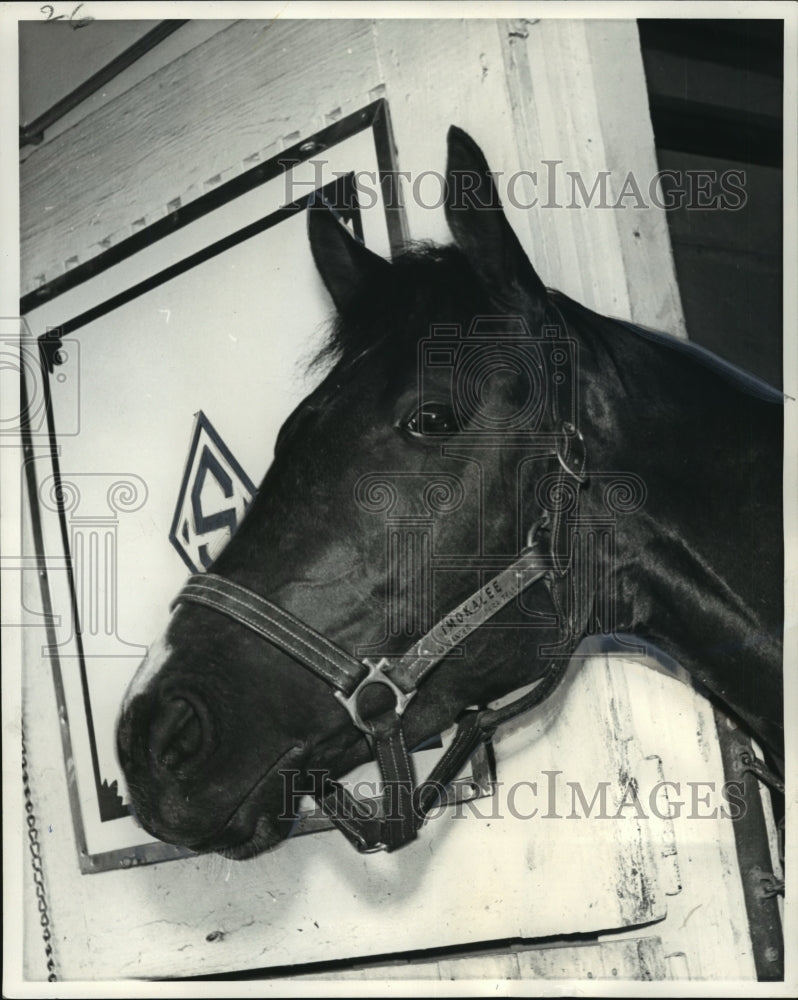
(55, 58)
(674, 729)
(568, 92)
(580, 94)
(571, 91)
(182, 128)
(638, 958)
(439, 73)
(176, 45)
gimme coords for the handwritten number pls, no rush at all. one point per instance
(51, 15)
(82, 22)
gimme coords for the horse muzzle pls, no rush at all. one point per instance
(173, 755)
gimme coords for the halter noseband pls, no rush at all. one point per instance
(404, 804)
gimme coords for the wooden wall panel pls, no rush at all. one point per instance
(549, 90)
(582, 94)
(634, 959)
(185, 129)
(527, 92)
(180, 42)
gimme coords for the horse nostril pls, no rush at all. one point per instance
(177, 732)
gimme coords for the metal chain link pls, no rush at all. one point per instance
(36, 864)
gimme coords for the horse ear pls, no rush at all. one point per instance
(346, 266)
(481, 230)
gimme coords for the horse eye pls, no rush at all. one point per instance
(432, 419)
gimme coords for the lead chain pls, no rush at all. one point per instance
(36, 864)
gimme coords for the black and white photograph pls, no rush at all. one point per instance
(399, 495)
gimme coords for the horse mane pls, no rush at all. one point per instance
(432, 283)
(740, 378)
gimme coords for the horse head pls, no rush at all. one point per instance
(424, 480)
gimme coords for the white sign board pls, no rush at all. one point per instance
(166, 379)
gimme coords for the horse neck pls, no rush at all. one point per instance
(697, 570)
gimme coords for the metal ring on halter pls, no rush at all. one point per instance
(376, 675)
(374, 848)
(543, 523)
(570, 451)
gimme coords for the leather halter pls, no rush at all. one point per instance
(404, 804)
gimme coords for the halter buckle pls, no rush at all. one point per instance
(376, 675)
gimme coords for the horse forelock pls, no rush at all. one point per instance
(426, 284)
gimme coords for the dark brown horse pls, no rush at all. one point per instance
(487, 473)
